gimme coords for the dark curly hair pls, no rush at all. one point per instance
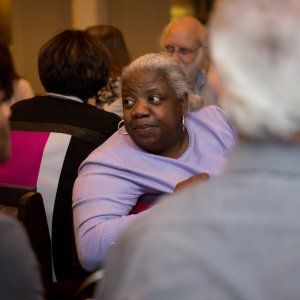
(74, 63)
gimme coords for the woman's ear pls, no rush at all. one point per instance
(185, 103)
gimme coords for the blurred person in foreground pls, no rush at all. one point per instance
(237, 237)
(52, 134)
(13, 88)
(109, 97)
(20, 273)
(162, 146)
(185, 39)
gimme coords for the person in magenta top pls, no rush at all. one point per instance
(162, 146)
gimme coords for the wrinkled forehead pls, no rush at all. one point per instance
(183, 36)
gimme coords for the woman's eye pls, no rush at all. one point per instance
(128, 102)
(154, 100)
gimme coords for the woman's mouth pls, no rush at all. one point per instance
(144, 128)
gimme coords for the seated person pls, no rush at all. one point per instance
(185, 39)
(52, 134)
(160, 145)
(13, 88)
(109, 97)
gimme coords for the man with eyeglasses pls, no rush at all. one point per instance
(185, 40)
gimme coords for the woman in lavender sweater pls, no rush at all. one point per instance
(162, 146)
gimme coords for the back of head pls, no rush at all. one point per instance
(170, 70)
(7, 71)
(113, 40)
(73, 63)
(256, 48)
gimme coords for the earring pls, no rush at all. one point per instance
(124, 132)
(183, 123)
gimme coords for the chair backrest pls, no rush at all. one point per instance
(26, 204)
(50, 158)
(49, 161)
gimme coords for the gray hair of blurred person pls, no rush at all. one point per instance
(171, 71)
(256, 49)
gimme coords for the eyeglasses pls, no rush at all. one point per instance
(180, 50)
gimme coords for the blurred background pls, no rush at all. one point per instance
(27, 24)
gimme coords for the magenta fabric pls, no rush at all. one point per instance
(26, 154)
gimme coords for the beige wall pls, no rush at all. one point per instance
(35, 21)
(141, 22)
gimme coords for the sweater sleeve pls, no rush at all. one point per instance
(103, 196)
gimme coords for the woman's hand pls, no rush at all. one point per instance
(191, 180)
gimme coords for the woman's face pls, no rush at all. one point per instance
(153, 114)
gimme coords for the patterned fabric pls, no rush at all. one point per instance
(109, 97)
(111, 92)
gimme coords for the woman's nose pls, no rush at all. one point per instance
(141, 108)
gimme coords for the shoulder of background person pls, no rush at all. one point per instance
(22, 89)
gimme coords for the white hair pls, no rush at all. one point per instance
(171, 71)
(255, 46)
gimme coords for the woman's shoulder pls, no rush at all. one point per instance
(22, 88)
(22, 82)
(210, 115)
(117, 147)
(207, 111)
(212, 119)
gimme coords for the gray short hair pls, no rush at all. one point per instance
(256, 49)
(172, 72)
